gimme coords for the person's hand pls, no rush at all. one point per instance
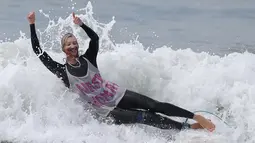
(77, 20)
(31, 17)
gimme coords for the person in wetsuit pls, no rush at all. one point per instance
(81, 75)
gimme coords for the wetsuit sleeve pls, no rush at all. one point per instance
(92, 51)
(55, 67)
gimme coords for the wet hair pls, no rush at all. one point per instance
(64, 38)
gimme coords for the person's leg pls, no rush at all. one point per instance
(133, 100)
(122, 116)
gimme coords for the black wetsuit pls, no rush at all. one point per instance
(133, 107)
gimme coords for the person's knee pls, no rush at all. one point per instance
(150, 116)
(152, 105)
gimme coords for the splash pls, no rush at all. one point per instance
(51, 36)
(36, 107)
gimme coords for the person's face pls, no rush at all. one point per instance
(71, 47)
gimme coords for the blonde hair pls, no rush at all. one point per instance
(64, 38)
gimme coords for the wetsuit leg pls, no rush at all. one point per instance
(122, 116)
(133, 100)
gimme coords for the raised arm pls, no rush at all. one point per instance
(55, 67)
(52, 65)
(92, 51)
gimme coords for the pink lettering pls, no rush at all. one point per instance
(97, 77)
(90, 87)
(96, 102)
(112, 87)
(107, 95)
(82, 88)
(96, 82)
(100, 99)
(85, 87)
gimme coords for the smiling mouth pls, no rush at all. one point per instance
(72, 49)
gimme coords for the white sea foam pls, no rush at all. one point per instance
(35, 106)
